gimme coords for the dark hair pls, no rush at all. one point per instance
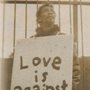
(41, 8)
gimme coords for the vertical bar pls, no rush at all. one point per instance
(37, 4)
(26, 20)
(75, 31)
(75, 21)
(59, 14)
(3, 32)
(37, 10)
(82, 36)
(70, 16)
(14, 33)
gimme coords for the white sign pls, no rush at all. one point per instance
(43, 63)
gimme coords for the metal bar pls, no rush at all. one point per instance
(75, 22)
(59, 14)
(26, 20)
(14, 33)
(37, 10)
(70, 17)
(43, 2)
(3, 32)
(82, 38)
(37, 4)
(82, 34)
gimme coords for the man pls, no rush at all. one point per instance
(46, 21)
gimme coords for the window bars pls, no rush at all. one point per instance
(26, 2)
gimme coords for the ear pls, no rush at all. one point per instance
(39, 20)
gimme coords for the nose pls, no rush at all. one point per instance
(51, 13)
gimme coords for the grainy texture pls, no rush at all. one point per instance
(6, 73)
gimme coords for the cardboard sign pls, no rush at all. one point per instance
(43, 63)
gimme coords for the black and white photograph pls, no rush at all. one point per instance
(44, 45)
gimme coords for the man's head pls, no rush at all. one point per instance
(46, 15)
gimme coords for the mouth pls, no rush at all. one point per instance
(50, 20)
(50, 16)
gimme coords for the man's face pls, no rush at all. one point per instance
(47, 16)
